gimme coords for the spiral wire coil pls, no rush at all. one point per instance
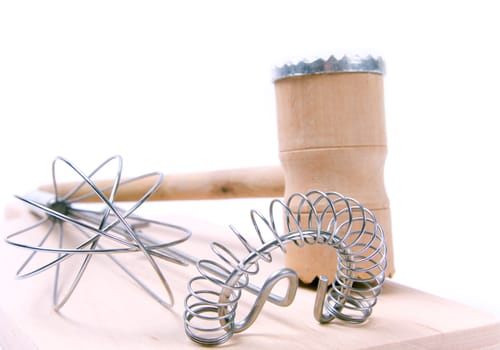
(110, 231)
(314, 218)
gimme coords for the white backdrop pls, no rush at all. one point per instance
(186, 86)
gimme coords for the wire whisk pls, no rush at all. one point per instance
(73, 230)
(329, 219)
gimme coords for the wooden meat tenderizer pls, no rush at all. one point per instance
(332, 137)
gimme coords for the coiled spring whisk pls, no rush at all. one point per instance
(329, 219)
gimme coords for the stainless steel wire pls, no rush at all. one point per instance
(328, 219)
(72, 230)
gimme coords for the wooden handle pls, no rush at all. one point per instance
(219, 184)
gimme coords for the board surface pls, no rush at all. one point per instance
(108, 311)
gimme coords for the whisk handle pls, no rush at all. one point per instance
(219, 184)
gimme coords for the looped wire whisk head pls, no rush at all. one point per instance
(65, 229)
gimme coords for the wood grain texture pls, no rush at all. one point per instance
(218, 184)
(109, 312)
(332, 137)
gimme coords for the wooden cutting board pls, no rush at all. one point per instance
(108, 311)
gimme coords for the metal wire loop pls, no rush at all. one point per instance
(72, 229)
(330, 219)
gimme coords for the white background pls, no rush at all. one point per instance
(186, 86)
